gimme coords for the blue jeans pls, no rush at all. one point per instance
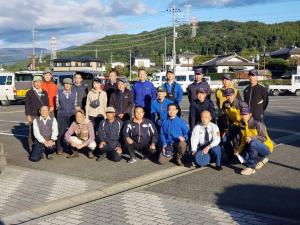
(255, 152)
(38, 149)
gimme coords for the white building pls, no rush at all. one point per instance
(115, 64)
(186, 58)
(142, 62)
(78, 63)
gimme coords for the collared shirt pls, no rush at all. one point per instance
(38, 91)
(36, 130)
(198, 135)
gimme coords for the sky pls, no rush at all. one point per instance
(76, 22)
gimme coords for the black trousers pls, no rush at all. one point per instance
(139, 147)
(111, 153)
(63, 124)
(38, 149)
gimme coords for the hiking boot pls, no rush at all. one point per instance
(260, 164)
(248, 171)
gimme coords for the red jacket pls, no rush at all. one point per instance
(51, 89)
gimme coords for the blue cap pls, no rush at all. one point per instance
(244, 110)
(161, 89)
(226, 76)
(253, 73)
(201, 90)
(198, 71)
(202, 159)
(228, 92)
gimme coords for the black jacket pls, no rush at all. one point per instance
(110, 132)
(193, 87)
(109, 89)
(144, 133)
(197, 108)
(122, 102)
(33, 102)
(257, 99)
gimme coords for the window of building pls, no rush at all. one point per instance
(58, 64)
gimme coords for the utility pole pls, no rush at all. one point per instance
(33, 49)
(264, 60)
(53, 51)
(96, 53)
(174, 10)
(165, 57)
(130, 64)
(111, 56)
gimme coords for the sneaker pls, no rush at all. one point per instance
(49, 157)
(179, 162)
(100, 157)
(90, 155)
(248, 171)
(74, 155)
(260, 164)
(218, 168)
(131, 161)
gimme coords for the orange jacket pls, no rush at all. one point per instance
(51, 89)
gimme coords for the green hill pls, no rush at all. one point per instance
(213, 38)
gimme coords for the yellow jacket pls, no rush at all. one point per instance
(255, 130)
(232, 111)
(220, 99)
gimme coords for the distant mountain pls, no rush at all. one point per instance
(9, 56)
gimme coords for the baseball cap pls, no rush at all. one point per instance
(37, 78)
(198, 71)
(123, 79)
(201, 90)
(97, 79)
(67, 81)
(110, 109)
(244, 110)
(170, 71)
(228, 92)
(226, 76)
(161, 89)
(47, 71)
(253, 73)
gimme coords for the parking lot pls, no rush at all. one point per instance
(273, 190)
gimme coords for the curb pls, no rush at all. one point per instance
(106, 191)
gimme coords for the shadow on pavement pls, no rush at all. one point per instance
(20, 132)
(261, 199)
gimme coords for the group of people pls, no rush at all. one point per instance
(146, 122)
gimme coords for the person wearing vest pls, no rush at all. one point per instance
(109, 136)
(80, 136)
(96, 103)
(111, 86)
(255, 144)
(122, 100)
(144, 92)
(140, 136)
(45, 132)
(159, 107)
(199, 82)
(174, 90)
(65, 104)
(80, 90)
(229, 122)
(174, 134)
(51, 88)
(35, 98)
(256, 96)
(220, 98)
(206, 138)
(200, 105)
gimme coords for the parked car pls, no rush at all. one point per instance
(294, 87)
(7, 91)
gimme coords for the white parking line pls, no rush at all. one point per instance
(11, 112)
(12, 121)
(16, 135)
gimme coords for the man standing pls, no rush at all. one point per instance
(140, 135)
(80, 136)
(174, 134)
(109, 136)
(173, 89)
(159, 107)
(80, 91)
(111, 86)
(65, 104)
(200, 105)
(45, 132)
(220, 98)
(206, 138)
(199, 82)
(144, 92)
(255, 143)
(256, 96)
(35, 98)
(51, 88)
(122, 100)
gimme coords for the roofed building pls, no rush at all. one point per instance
(286, 53)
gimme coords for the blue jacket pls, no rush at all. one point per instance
(160, 109)
(144, 92)
(66, 106)
(174, 92)
(171, 129)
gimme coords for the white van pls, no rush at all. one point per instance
(7, 90)
(184, 78)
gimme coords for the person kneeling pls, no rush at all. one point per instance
(206, 138)
(109, 136)
(255, 143)
(174, 133)
(80, 136)
(45, 132)
(140, 135)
